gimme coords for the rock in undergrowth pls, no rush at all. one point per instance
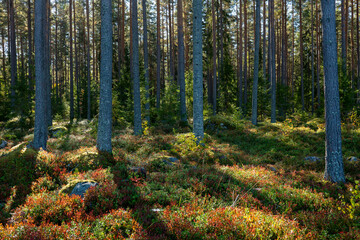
(353, 159)
(171, 161)
(57, 131)
(140, 171)
(81, 188)
(3, 144)
(312, 159)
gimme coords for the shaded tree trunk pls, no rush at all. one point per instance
(172, 74)
(71, 65)
(301, 59)
(30, 52)
(198, 70)
(13, 59)
(312, 60)
(334, 170)
(181, 62)
(272, 69)
(158, 55)
(135, 69)
(256, 65)
(246, 55)
(214, 80)
(41, 127)
(146, 64)
(105, 108)
(88, 61)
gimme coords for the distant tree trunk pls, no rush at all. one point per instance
(264, 39)
(272, 61)
(293, 55)
(146, 64)
(256, 65)
(30, 52)
(343, 37)
(358, 50)
(105, 106)
(301, 59)
(76, 67)
(13, 59)
(198, 70)
(88, 61)
(158, 55)
(56, 57)
(220, 78)
(172, 74)
(135, 70)
(214, 82)
(93, 41)
(41, 127)
(181, 62)
(241, 58)
(3, 57)
(318, 33)
(123, 32)
(246, 56)
(334, 169)
(352, 75)
(119, 41)
(312, 60)
(71, 65)
(47, 62)
(284, 45)
(187, 36)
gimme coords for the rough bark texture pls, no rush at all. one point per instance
(88, 61)
(146, 64)
(334, 170)
(181, 62)
(301, 60)
(256, 65)
(214, 82)
(71, 65)
(13, 60)
(30, 52)
(40, 129)
(198, 70)
(135, 69)
(312, 60)
(105, 109)
(272, 62)
(158, 55)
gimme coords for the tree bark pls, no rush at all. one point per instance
(146, 65)
(13, 59)
(105, 108)
(135, 69)
(88, 61)
(30, 52)
(301, 59)
(41, 127)
(312, 60)
(71, 65)
(198, 70)
(334, 170)
(214, 82)
(158, 55)
(272, 62)
(256, 65)
(181, 62)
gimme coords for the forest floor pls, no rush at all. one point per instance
(241, 182)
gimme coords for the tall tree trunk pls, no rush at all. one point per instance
(318, 33)
(119, 41)
(198, 70)
(358, 50)
(146, 65)
(30, 52)
(334, 170)
(293, 55)
(301, 59)
(256, 65)
(123, 32)
(47, 50)
(40, 129)
(241, 58)
(272, 61)
(158, 54)
(181, 62)
(246, 55)
(13, 59)
(343, 37)
(71, 64)
(3, 57)
(57, 56)
(264, 39)
(135, 69)
(312, 60)
(214, 80)
(88, 61)
(221, 73)
(105, 107)
(172, 74)
(76, 67)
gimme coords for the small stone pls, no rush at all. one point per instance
(353, 159)
(138, 170)
(273, 169)
(312, 159)
(156, 210)
(81, 188)
(3, 144)
(171, 161)
(257, 189)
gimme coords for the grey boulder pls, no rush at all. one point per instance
(81, 188)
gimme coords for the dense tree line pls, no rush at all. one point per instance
(101, 60)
